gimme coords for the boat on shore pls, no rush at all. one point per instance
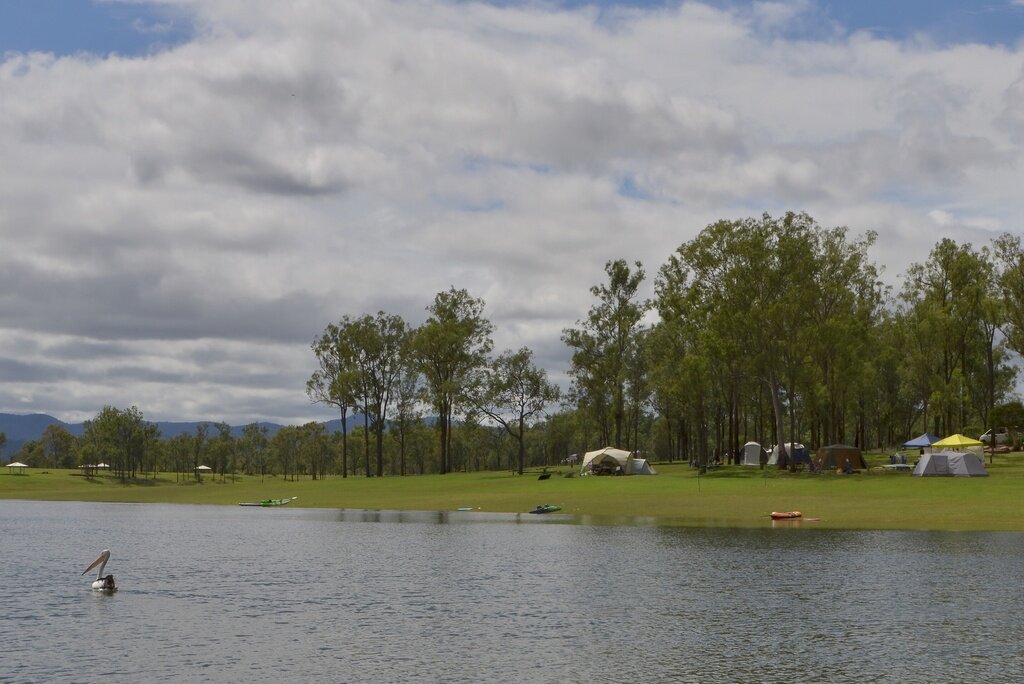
(266, 503)
(546, 508)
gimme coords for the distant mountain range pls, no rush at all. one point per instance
(20, 429)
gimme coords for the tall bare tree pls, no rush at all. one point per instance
(513, 392)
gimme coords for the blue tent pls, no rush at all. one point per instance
(925, 440)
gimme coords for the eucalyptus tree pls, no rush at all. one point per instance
(31, 453)
(407, 412)
(59, 446)
(887, 381)
(844, 301)
(604, 344)
(223, 450)
(678, 358)
(749, 296)
(178, 450)
(285, 450)
(253, 444)
(419, 444)
(665, 352)
(792, 245)
(1009, 255)
(470, 440)
(358, 447)
(337, 380)
(380, 346)
(200, 447)
(123, 438)
(724, 292)
(449, 347)
(947, 299)
(563, 434)
(588, 393)
(992, 314)
(513, 392)
(315, 449)
(638, 387)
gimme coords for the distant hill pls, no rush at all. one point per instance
(23, 428)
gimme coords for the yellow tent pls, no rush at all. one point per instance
(957, 441)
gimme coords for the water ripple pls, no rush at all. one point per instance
(217, 594)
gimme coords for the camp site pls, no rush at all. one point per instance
(838, 485)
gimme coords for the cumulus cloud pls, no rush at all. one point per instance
(177, 227)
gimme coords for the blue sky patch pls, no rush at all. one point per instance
(102, 27)
(67, 27)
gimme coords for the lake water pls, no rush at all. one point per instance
(226, 594)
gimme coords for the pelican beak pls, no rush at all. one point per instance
(102, 559)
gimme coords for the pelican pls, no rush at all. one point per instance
(102, 583)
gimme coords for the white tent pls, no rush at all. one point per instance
(950, 463)
(752, 453)
(797, 454)
(609, 458)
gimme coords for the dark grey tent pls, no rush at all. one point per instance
(837, 455)
(949, 464)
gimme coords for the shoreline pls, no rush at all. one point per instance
(456, 516)
(730, 497)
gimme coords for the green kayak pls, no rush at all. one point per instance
(267, 502)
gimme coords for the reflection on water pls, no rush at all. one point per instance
(225, 594)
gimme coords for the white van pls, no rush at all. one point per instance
(1002, 436)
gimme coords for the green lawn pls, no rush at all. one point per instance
(732, 496)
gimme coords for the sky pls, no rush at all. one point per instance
(191, 190)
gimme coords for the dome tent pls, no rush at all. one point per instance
(797, 454)
(950, 464)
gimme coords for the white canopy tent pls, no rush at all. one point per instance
(610, 458)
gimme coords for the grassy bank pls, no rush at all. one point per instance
(730, 496)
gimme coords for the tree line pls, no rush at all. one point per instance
(771, 329)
